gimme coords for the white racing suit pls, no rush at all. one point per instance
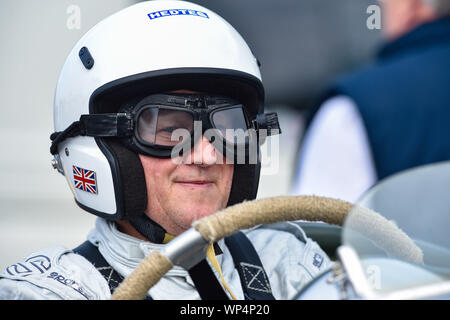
(290, 260)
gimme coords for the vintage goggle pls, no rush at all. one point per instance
(158, 123)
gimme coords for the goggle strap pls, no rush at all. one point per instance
(106, 125)
(267, 121)
(95, 125)
(56, 137)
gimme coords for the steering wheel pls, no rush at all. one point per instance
(189, 248)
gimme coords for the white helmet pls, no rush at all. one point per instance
(150, 47)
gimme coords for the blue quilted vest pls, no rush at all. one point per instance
(404, 99)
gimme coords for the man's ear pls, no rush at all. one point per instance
(420, 12)
(423, 12)
(402, 16)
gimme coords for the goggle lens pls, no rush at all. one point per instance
(156, 125)
(230, 118)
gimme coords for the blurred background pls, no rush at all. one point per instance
(302, 45)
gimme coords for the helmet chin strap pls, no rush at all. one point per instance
(148, 228)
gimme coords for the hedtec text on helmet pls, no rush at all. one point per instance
(148, 48)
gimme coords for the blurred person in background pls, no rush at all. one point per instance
(388, 116)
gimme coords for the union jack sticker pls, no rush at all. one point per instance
(85, 180)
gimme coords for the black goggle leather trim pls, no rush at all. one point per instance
(124, 124)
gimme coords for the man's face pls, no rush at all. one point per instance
(179, 194)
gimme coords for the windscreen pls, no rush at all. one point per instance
(407, 244)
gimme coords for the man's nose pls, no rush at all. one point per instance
(203, 153)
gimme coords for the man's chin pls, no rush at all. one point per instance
(200, 211)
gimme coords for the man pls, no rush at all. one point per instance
(128, 105)
(389, 116)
